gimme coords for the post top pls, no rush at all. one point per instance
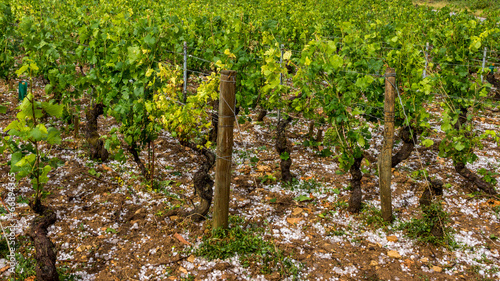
(228, 72)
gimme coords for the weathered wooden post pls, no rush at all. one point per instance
(385, 160)
(483, 65)
(424, 74)
(224, 148)
(184, 89)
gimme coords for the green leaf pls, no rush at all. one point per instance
(459, 146)
(111, 230)
(3, 109)
(336, 61)
(133, 53)
(16, 157)
(302, 198)
(45, 171)
(284, 156)
(446, 127)
(427, 142)
(36, 134)
(54, 136)
(21, 70)
(55, 110)
(150, 40)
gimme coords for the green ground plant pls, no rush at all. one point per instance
(248, 244)
(431, 227)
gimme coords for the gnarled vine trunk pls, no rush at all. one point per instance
(460, 167)
(496, 83)
(408, 145)
(133, 150)
(45, 254)
(474, 178)
(284, 149)
(434, 189)
(203, 184)
(215, 122)
(96, 145)
(319, 135)
(261, 115)
(310, 133)
(356, 193)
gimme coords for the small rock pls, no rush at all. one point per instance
(408, 262)
(297, 211)
(174, 218)
(424, 260)
(373, 263)
(275, 276)
(79, 249)
(393, 254)
(437, 268)
(191, 258)
(293, 220)
(183, 270)
(392, 238)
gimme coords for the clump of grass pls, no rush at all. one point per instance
(309, 185)
(248, 244)
(432, 227)
(372, 217)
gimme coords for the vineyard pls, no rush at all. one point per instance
(248, 140)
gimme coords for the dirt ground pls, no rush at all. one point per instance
(111, 227)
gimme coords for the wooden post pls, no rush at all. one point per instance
(484, 63)
(281, 76)
(424, 74)
(224, 148)
(184, 90)
(385, 160)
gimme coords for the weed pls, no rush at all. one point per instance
(190, 277)
(340, 204)
(488, 176)
(64, 274)
(419, 175)
(25, 268)
(93, 172)
(431, 228)
(373, 217)
(309, 185)
(22, 200)
(336, 233)
(268, 178)
(248, 244)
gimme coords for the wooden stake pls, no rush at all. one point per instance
(484, 63)
(224, 148)
(385, 160)
(184, 89)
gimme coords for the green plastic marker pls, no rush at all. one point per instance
(23, 90)
(492, 68)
